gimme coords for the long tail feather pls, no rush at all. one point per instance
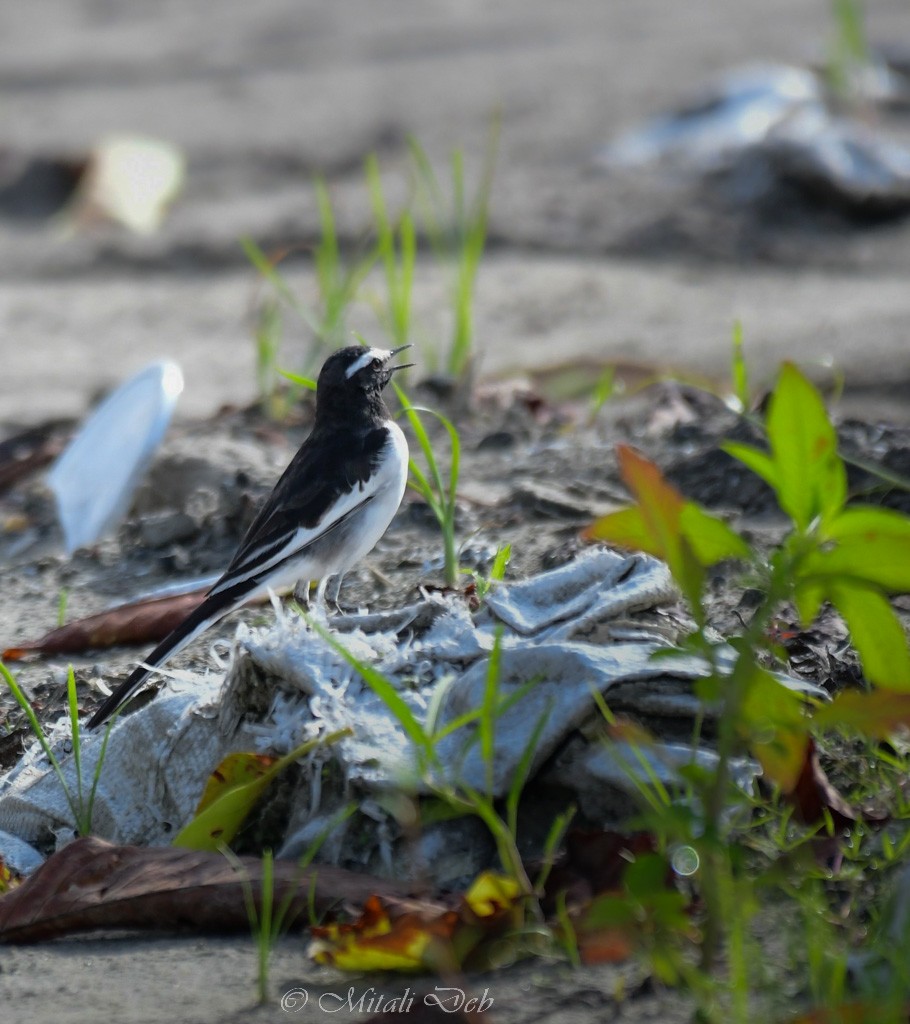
(209, 612)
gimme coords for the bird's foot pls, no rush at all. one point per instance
(302, 595)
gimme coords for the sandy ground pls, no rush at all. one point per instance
(582, 265)
(585, 264)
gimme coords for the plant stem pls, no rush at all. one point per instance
(716, 865)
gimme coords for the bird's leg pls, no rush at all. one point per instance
(333, 592)
(302, 593)
(320, 606)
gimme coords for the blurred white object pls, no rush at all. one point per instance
(132, 180)
(736, 113)
(94, 479)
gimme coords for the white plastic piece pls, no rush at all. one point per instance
(94, 479)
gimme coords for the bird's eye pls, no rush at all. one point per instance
(376, 364)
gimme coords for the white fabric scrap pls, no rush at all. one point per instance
(286, 685)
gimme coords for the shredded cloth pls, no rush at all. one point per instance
(562, 636)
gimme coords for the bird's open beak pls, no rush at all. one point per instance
(401, 366)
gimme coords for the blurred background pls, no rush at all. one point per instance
(141, 142)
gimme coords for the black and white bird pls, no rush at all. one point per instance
(330, 507)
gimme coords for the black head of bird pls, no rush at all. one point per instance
(352, 380)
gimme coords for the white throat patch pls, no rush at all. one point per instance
(368, 356)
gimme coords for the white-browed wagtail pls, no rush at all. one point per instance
(330, 507)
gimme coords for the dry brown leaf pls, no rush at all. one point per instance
(94, 884)
(423, 936)
(140, 622)
(25, 453)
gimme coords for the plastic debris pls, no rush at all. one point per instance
(849, 163)
(94, 479)
(765, 127)
(737, 113)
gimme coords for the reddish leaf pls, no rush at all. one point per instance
(423, 936)
(379, 941)
(606, 946)
(140, 622)
(594, 863)
(814, 794)
(857, 1012)
(94, 884)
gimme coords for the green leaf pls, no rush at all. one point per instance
(877, 715)
(646, 876)
(776, 728)
(739, 371)
(711, 538)
(663, 523)
(808, 598)
(298, 379)
(501, 562)
(876, 633)
(869, 544)
(627, 529)
(811, 477)
(220, 815)
(755, 459)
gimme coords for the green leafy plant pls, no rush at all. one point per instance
(81, 802)
(851, 556)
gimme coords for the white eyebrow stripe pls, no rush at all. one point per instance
(366, 359)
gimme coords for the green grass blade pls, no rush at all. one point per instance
(267, 270)
(39, 734)
(522, 771)
(299, 380)
(739, 369)
(501, 562)
(72, 701)
(383, 689)
(487, 722)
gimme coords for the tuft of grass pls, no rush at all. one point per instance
(457, 797)
(457, 230)
(268, 347)
(397, 249)
(81, 803)
(483, 584)
(338, 281)
(849, 57)
(268, 922)
(438, 492)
